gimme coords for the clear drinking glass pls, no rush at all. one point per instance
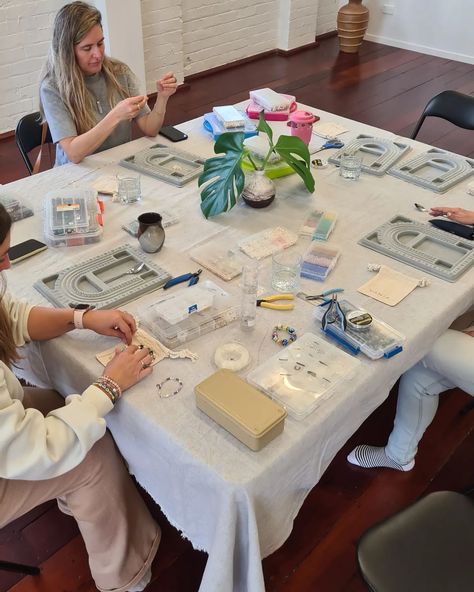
(128, 188)
(350, 167)
(286, 268)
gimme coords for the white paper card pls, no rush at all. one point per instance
(389, 286)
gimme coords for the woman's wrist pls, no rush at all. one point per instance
(109, 387)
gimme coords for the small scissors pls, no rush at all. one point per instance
(192, 277)
(323, 295)
(268, 301)
(330, 143)
(334, 315)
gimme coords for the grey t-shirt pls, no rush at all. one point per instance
(61, 123)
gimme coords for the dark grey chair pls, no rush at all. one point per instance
(28, 137)
(30, 570)
(451, 105)
(427, 547)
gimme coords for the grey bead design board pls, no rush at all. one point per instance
(93, 281)
(378, 154)
(434, 251)
(166, 163)
(435, 169)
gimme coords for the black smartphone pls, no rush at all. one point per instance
(25, 249)
(173, 134)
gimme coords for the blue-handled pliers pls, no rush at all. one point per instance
(192, 277)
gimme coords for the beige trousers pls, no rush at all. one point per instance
(120, 535)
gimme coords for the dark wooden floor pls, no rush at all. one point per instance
(382, 86)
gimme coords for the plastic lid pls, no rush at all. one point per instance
(302, 117)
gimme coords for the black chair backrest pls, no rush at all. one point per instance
(451, 105)
(28, 136)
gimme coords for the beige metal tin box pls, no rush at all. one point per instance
(241, 409)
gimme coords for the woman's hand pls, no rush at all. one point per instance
(115, 323)
(456, 214)
(167, 85)
(129, 108)
(129, 365)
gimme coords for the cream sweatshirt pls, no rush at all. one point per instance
(34, 447)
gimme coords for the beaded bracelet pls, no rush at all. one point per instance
(109, 387)
(161, 384)
(284, 342)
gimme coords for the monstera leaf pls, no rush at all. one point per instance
(295, 152)
(223, 178)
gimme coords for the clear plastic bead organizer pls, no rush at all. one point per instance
(166, 163)
(304, 374)
(70, 217)
(376, 341)
(103, 281)
(318, 225)
(14, 207)
(318, 261)
(377, 154)
(224, 310)
(268, 241)
(216, 256)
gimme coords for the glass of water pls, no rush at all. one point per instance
(286, 268)
(350, 167)
(128, 188)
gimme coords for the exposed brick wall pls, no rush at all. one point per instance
(24, 41)
(217, 32)
(327, 15)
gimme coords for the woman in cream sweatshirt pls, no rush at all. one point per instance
(51, 448)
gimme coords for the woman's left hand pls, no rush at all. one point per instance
(115, 323)
(167, 85)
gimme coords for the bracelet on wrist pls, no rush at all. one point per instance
(109, 387)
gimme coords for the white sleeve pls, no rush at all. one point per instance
(34, 447)
(18, 311)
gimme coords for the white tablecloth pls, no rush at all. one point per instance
(236, 504)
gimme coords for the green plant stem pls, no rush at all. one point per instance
(253, 163)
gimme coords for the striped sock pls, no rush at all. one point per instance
(370, 457)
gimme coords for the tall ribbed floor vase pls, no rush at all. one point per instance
(352, 21)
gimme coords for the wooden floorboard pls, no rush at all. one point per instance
(381, 86)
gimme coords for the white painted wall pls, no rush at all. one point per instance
(435, 27)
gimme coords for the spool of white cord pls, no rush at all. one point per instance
(231, 356)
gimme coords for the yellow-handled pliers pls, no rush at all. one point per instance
(268, 302)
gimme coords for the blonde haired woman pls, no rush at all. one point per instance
(51, 448)
(88, 99)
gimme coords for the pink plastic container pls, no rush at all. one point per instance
(301, 123)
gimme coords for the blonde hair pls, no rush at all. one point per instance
(8, 352)
(71, 25)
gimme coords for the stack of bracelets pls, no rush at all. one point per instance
(109, 387)
(285, 341)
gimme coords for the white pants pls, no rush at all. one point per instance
(449, 364)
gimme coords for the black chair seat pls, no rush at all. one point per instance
(19, 568)
(451, 105)
(427, 547)
(28, 136)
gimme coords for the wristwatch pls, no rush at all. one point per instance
(79, 311)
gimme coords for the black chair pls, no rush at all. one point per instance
(30, 570)
(452, 106)
(427, 547)
(28, 136)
